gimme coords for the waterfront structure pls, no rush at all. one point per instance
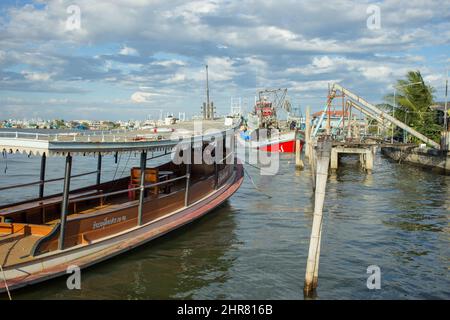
(323, 151)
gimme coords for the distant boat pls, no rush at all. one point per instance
(163, 130)
(81, 127)
(264, 117)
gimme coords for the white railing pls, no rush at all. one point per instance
(121, 135)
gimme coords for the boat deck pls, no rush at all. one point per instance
(16, 248)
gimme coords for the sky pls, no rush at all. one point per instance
(129, 59)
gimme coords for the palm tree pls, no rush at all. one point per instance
(413, 100)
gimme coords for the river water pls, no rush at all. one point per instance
(255, 245)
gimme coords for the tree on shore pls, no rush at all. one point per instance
(413, 101)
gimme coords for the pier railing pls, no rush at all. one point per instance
(91, 136)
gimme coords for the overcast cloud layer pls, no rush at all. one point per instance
(131, 58)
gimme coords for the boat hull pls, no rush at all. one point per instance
(285, 143)
(56, 264)
(282, 146)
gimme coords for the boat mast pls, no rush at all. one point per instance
(208, 106)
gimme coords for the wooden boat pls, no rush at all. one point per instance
(41, 238)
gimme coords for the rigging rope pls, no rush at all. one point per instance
(117, 166)
(126, 164)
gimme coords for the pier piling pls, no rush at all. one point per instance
(307, 131)
(298, 153)
(322, 155)
(334, 161)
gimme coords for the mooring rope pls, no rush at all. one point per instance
(253, 166)
(254, 185)
(6, 284)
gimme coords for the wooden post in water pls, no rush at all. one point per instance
(298, 154)
(368, 165)
(312, 267)
(307, 131)
(313, 167)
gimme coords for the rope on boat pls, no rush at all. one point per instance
(6, 284)
(126, 164)
(117, 166)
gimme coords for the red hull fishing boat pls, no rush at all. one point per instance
(284, 142)
(264, 131)
(41, 238)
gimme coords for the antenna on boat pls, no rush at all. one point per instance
(207, 89)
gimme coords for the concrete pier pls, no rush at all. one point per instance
(366, 155)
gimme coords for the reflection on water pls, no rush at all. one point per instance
(255, 247)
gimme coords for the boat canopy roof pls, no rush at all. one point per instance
(62, 144)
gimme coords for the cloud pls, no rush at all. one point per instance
(124, 46)
(322, 62)
(178, 77)
(36, 76)
(378, 73)
(169, 63)
(142, 97)
(127, 51)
